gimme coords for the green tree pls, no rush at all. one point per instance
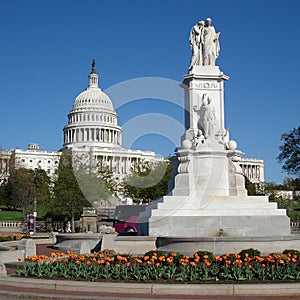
(68, 199)
(290, 152)
(19, 191)
(2, 195)
(283, 203)
(42, 184)
(96, 183)
(23, 187)
(272, 190)
(291, 184)
(250, 187)
(148, 182)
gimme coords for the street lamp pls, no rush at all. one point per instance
(34, 217)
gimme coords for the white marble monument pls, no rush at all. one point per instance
(209, 198)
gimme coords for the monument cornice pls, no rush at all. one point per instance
(219, 76)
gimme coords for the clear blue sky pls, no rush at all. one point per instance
(47, 47)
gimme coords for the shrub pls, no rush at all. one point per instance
(157, 252)
(251, 253)
(292, 252)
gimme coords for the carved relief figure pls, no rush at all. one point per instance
(198, 139)
(207, 121)
(196, 44)
(209, 117)
(211, 46)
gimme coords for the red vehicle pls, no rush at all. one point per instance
(126, 218)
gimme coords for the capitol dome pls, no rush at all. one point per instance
(92, 121)
(93, 97)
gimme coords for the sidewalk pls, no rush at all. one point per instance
(67, 289)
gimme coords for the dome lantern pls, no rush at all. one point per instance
(93, 77)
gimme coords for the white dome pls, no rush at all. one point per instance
(92, 122)
(93, 97)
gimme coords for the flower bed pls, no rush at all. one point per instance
(203, 266)
(13, 237)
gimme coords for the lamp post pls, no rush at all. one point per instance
(34, 217)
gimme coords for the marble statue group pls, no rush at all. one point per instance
(204, 42)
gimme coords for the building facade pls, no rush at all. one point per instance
(253, 169)
(34, 158)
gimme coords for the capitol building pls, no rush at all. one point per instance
(93, 129)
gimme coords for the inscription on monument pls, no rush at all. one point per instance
(206, 85)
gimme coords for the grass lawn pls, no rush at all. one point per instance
(7, 215)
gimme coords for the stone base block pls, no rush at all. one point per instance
(214, 226)
(219, 246)
(135, 245)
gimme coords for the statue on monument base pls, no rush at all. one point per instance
(204, 42)
(208, 206)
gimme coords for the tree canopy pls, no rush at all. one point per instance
(68, 200)
(95, 181)
(148, 182)
(290, 152)
(23, 187)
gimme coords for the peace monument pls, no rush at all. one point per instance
(209, 208)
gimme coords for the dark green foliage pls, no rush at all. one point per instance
(291, 184)
(24, 187)
(290, 152)
(158, 252)
(148, 182)
(250, 187)
(292, 252)
(251, 253)
(68, 199)
(93, 184)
